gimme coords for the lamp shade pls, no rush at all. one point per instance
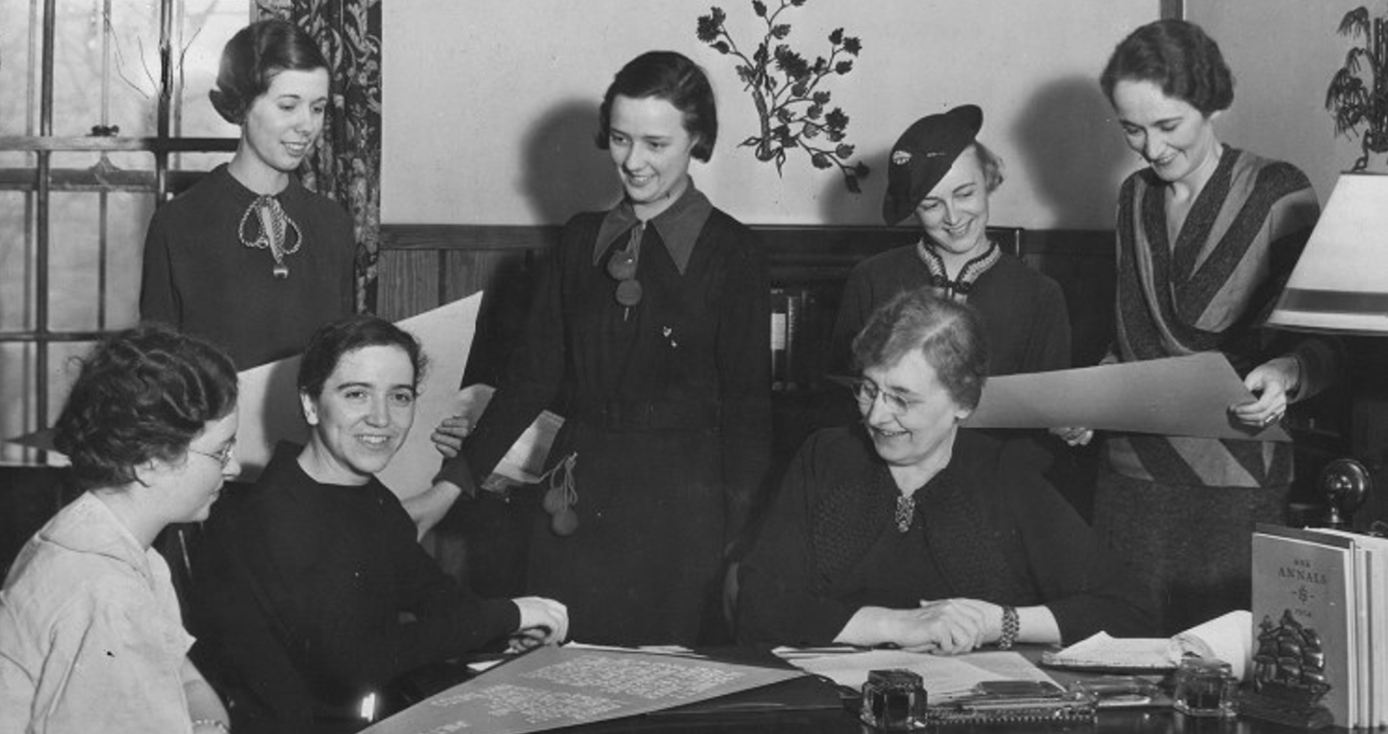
(1340, 284)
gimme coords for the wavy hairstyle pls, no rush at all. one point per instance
(947, 333)
(674, 78)
(253, 57)
(331, 341)
(992, 166)
(1179, 58)
(142, 394)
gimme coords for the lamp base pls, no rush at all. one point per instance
(1346, 484)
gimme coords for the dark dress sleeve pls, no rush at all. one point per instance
(355, 629)
(346, 228)
(776, 602)
(1049, 345)
(158, 297)
(744, 379)
(854, 308)
(1080, 579)
(535, 369)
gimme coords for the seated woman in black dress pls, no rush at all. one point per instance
(311, 590)
(908, 531)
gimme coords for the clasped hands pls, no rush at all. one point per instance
(1272, 384)
(944, 627)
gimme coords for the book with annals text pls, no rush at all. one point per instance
(1304, 623)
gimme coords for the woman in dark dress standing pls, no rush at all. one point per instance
(649, 332)
(248, 258)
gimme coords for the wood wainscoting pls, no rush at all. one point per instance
(423, 266)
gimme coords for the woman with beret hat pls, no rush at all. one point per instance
(941, 173)
(1207, 235)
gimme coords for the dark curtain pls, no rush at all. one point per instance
(347, 165)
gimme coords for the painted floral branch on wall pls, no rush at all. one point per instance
(785, 88)
(1354, 103)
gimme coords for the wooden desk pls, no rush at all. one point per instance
(844, 720)
(1113, 721)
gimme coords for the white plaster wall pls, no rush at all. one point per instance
(1283, 54)
(490, 105)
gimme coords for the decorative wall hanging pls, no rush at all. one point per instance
(1358, 94)
(785, 88)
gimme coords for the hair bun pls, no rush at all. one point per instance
(227, 105)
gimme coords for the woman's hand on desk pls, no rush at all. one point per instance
(542, 622)
(944, 627)
(449, 435)
(953, 626)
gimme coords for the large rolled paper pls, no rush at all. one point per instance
(270, 410)
(1176, 396)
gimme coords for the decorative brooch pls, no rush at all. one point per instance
(275, 227)
(905, 512)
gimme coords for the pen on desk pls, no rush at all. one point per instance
(787, 653)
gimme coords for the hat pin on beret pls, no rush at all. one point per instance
(923, 155)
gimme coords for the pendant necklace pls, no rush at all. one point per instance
(622, 267)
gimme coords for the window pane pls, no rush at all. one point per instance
(103, 73)
(16, 266)
(16, 398)
(14, 75)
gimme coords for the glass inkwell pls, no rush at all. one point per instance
(894, 700)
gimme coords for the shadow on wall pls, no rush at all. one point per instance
(1069, 141)
(565, 172)
(838, 205)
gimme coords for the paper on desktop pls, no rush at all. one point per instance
(945, 677)
(1227, 638)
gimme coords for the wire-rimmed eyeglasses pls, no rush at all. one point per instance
(222, 456)
(867, 392)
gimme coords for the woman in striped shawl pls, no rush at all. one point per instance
(1207, 236)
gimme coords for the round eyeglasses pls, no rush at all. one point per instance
(867, 392)
(222, 457)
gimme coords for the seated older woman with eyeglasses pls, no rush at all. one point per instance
(907, 530)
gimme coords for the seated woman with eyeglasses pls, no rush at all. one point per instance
(909, 531)
(91, 638)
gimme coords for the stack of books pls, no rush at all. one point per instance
(796, 323)
(1320, 627)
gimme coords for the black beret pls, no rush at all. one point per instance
(923, 155)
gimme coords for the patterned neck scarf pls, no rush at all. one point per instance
(959, 288)
(275, 228)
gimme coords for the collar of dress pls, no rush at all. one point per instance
(679, 225)
(960, 287)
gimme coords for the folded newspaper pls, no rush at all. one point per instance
(1228, 638)
(525, 461)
